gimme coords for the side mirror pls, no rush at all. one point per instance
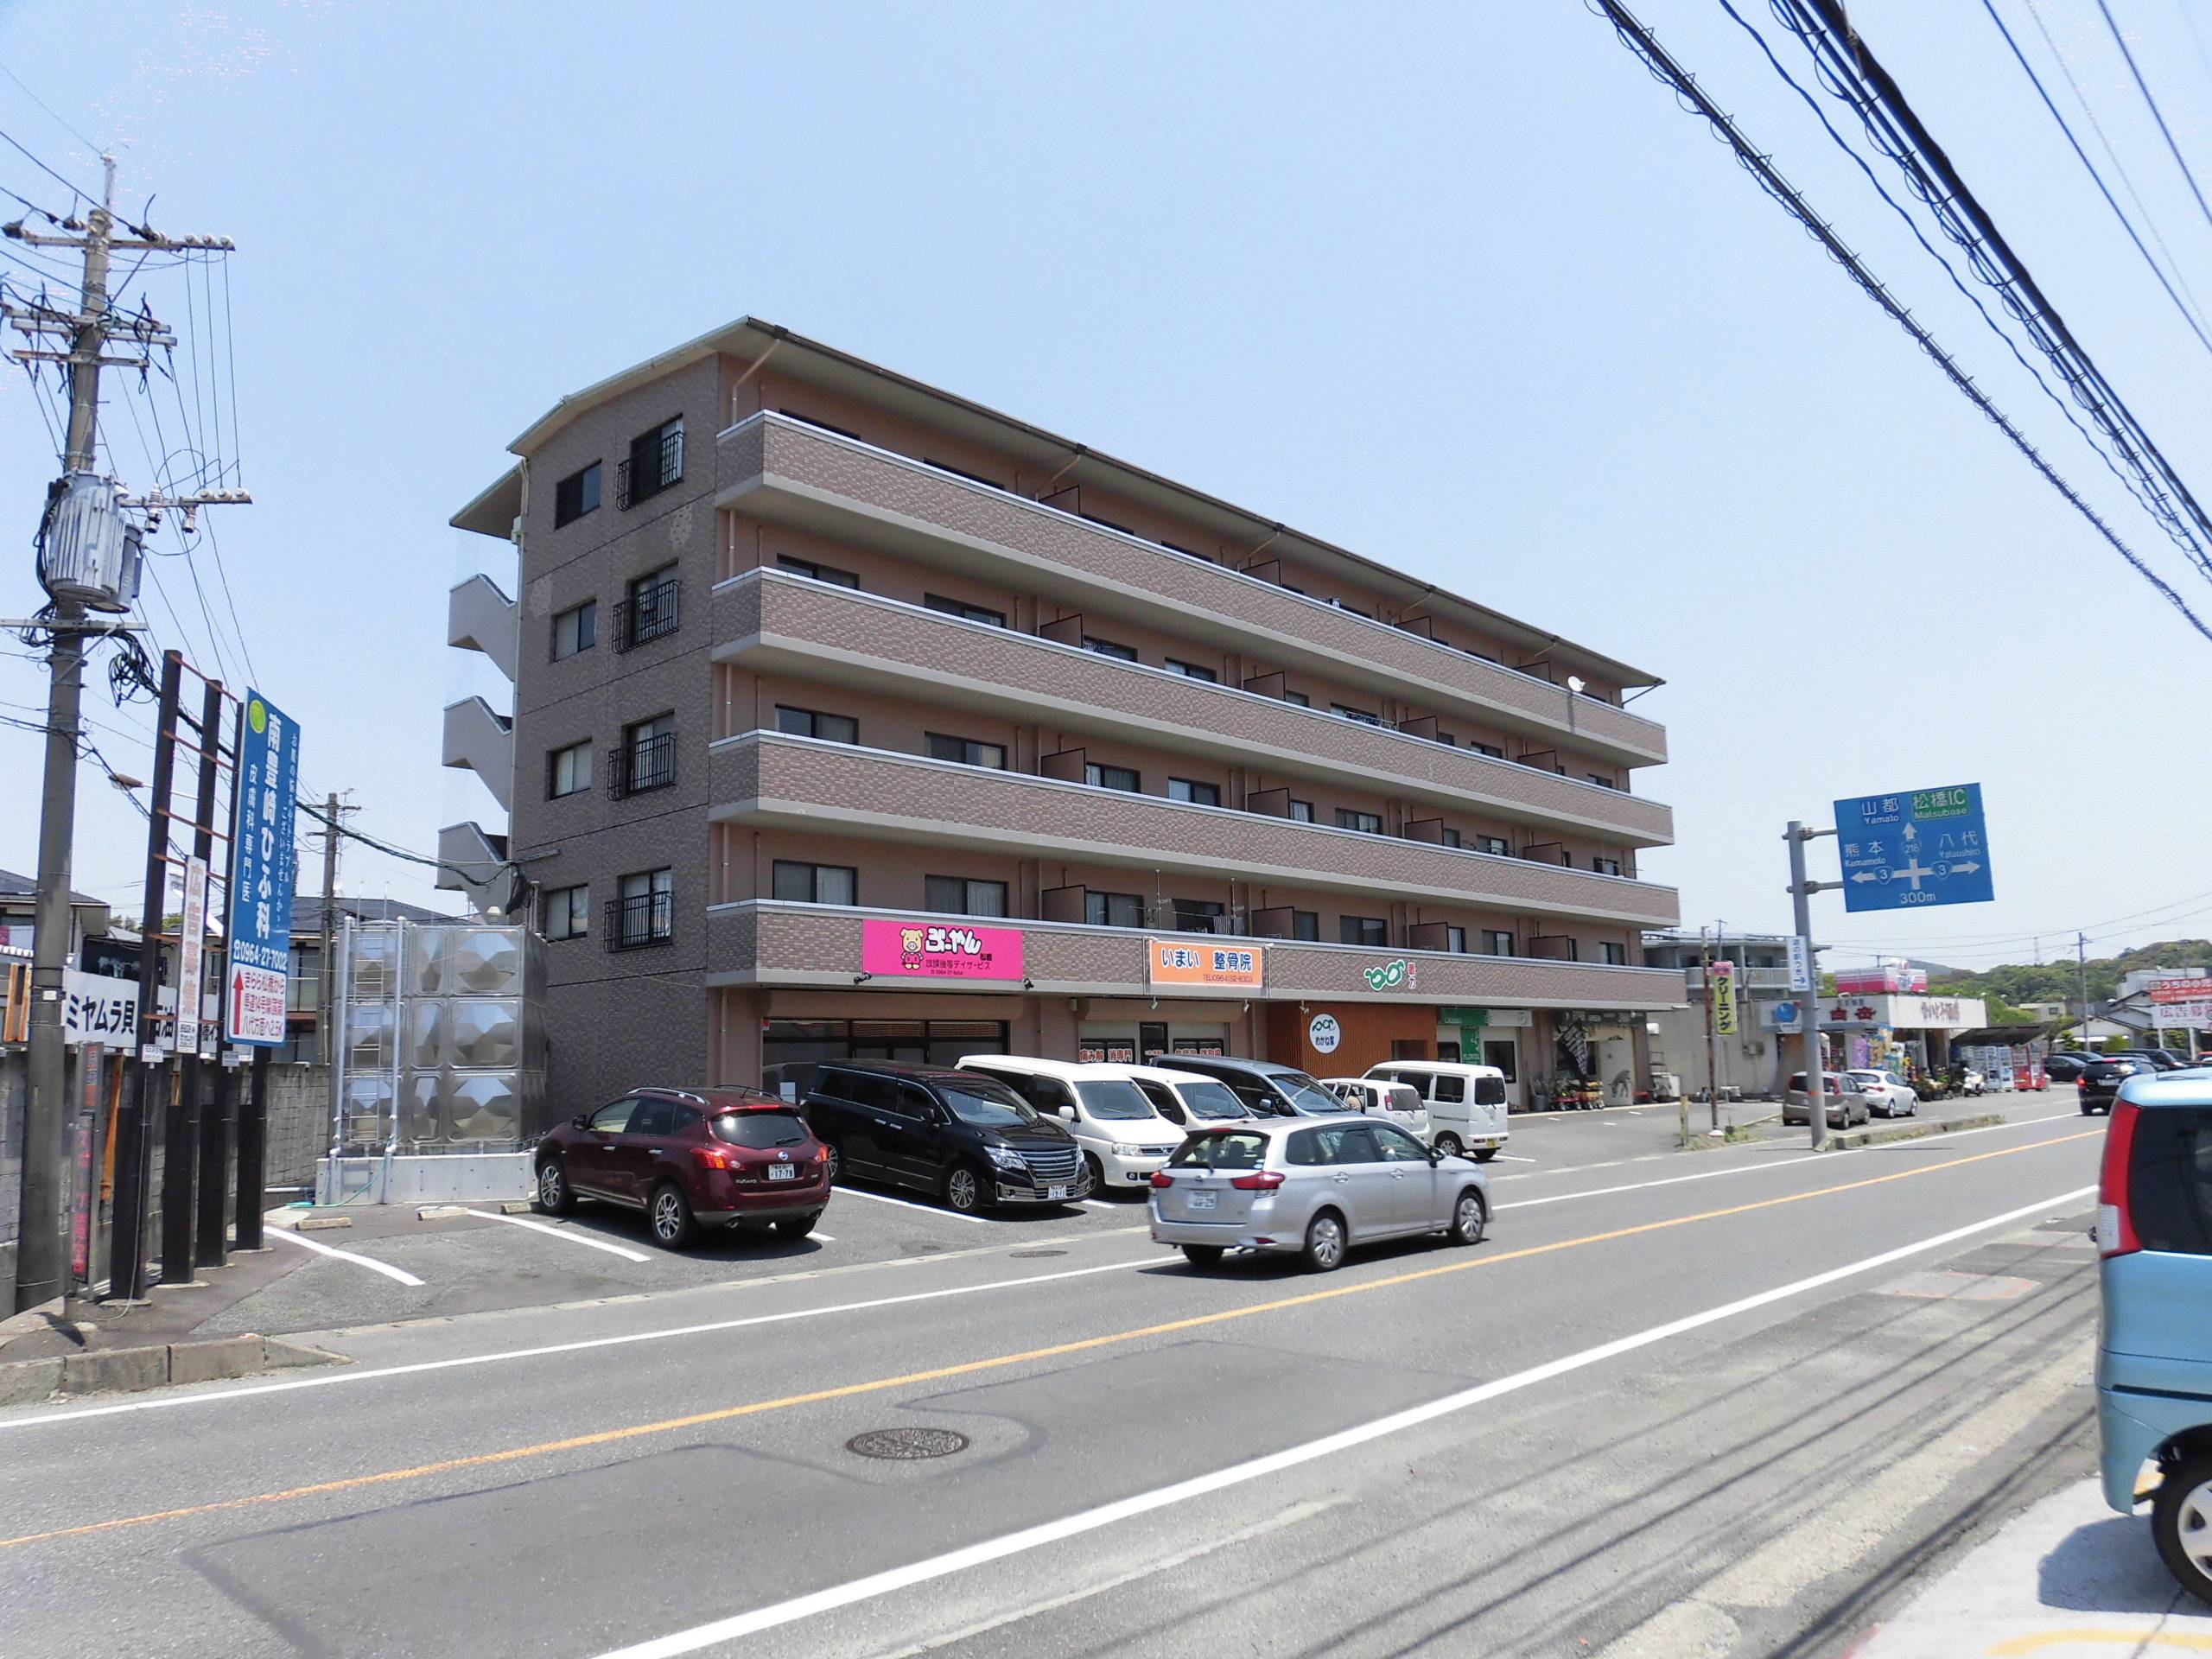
(581, 1121)
(1436, 1154)
(1066, 1113)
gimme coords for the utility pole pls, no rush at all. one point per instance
(1711, 1043)
(87, 561)
(334, 815)
(1802, 889)
(2081, 966)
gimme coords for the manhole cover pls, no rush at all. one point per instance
(906, 1445)
(1031, 1256)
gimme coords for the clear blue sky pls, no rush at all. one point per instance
(1456, 286)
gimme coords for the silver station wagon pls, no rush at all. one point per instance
(1312, 1189)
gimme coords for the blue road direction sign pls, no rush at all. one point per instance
(1923, 846)
(264, 872)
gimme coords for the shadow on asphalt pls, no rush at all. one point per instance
(2107, 1566)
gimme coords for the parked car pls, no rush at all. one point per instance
(1186, 1099)
(1267, 1088)
(1122, 1137)
(1311, 1188)
(2100, 1080)
(1843, 1104)
(2160, 1059)
(2154, 1358)
(690, 1158)
(1890, 1094)
(1400, 1102)
(968, 1138)
(1466, 1103)
(2065, 1066)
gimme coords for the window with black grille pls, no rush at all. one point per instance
(655, 463)
(646, 759)
(651, 610)
(644, 912)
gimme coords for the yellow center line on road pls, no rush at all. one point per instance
(998, 1362)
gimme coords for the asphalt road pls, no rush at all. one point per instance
(1724, 1402)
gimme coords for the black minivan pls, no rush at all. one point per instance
(968, 1139)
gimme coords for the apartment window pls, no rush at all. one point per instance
(1497, 942)
(1354, 609)
(566, 912)
(1198, 916)
(1449, 836)
(1298, 699)
(1364, 716)
(1122, 778)
(644, 913)
(568, 771)
(1616, 955)
(957, 895)
(966, 751)
(656, 462)
(1363, 930)
(1601, 780)
(1198, 794)
(964, 610)
(1306, 924)
(1445, 737)
(652, 609)
(1490, 749)
(1368, 823)
(575, 629)
(1495, 845)
(1187, 552)
(1301, 812)
(1108, 648)
(1455, 940)
(1105, 524)
(575, 495)
(814, 884)
(1113, 909)
(812, 722)
(1193, 671)
(807, 568)
(842, 432)
(1606, 866)
(646, 758)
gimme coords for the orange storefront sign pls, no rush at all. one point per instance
(1189, 962)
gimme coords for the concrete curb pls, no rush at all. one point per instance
(1845, 1139)
(122, 1370)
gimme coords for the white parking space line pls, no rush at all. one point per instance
(896, 1578)
(575, 1236)
(1508, 1158)
(384, 1267)
(821, 1238)
(908, 1203)
(1098, 1204)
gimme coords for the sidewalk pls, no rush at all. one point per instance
(2067, 1578)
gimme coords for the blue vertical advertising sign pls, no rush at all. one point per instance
(263, 873)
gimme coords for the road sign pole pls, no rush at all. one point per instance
(1801, 896)
(253, 1142)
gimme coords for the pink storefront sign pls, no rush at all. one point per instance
(939, 951)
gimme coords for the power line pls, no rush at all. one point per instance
(1663, 68)
(75, 193)
(2103, 189)
(48, 108)
(2157, 114)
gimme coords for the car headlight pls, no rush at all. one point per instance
(1140, 1152)
(1006, 1158)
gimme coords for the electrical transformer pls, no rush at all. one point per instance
(88, 551)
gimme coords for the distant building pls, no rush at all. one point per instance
(88, 917)
(1768, 1012)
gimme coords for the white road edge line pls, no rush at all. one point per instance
(908, 1203)
(373, 1266)
(569, 1233)
(418, 1368)
(1053, 1532)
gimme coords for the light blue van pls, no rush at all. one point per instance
(2154, 1354)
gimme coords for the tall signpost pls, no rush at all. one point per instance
(1901, 851)
(264, 876)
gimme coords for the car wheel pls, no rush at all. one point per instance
(555, 1196)
(1202, 1256)
(671, 1214)
(1097, 1172)
(833, 1161)
(1449, 1146)
(797, 1226)
(1470, 1215)
(2181, 1521)
(963, 1190)
(1485, 1155)
(1325, 1243)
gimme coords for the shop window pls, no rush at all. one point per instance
(791, 1049)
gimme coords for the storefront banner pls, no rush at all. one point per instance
(2181, 1016)
(939, 951)
(1179, 962)
(1906, 1012)
(1397, 974)
(2181, 990)
(1723, 998)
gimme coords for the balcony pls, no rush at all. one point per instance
(769, 778)
(1747, 979)
(785, 471)
(478, 738)
(762, 942)
(781, 623)
(649, 613)
(634, 768)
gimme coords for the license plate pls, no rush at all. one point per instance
(1060, 1191)
(1205, 1200)
(783, 1171)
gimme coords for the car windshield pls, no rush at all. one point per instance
(1303, 1093)
(758, 1130)
(1221, 1149)
(1210, 1099)
(989, 1106)
(1114, 1099)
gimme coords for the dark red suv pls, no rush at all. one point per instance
(689, 1157)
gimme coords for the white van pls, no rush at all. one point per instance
(1185, 1098)
(1466, 1103)
(1399, 1101)
(1123, 1139)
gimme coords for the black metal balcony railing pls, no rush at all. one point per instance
(643, 919)
(654, 464)
(649, 613)
(633, 768)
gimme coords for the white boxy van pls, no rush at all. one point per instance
(1466, 1103)
(1123, 1137)
(1185, 1098)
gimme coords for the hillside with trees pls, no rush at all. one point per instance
(2014, 983)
